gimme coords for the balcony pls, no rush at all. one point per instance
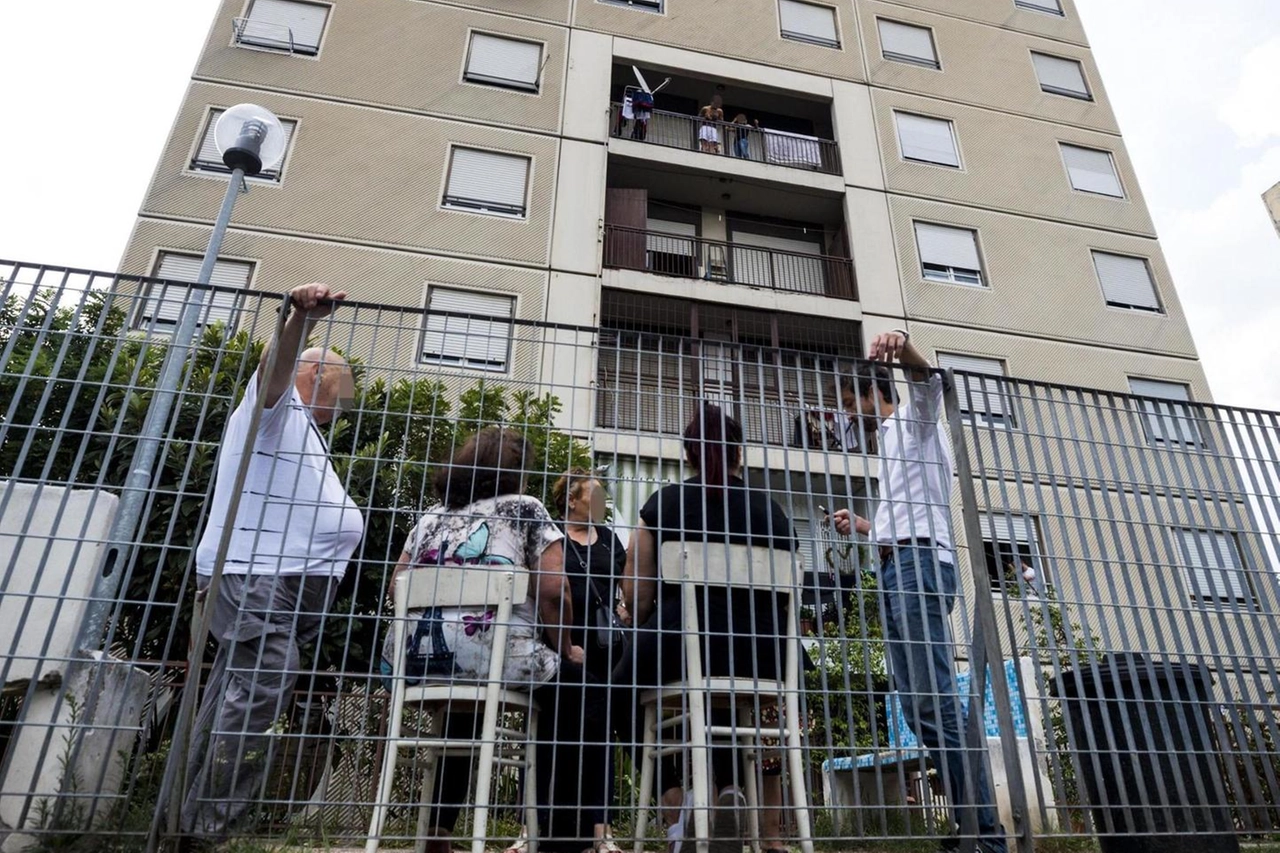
(668, 254)
(725, 139)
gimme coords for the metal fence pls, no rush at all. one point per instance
(1114, 590)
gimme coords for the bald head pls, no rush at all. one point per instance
(324, 383)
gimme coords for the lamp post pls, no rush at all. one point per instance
(250, 139)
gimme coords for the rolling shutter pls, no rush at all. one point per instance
(504, 60)
(979, 395)
(1091, 170)
(1214, 568)
(783, 271)
(468, 341)
(269, 19)
(164, 302)
(488, 180)
(998, 526)
(208, 158)
(1053, 6)
(944, 246)
(1169, 416)
(903, 41)
(808, 22)
(1060, 76)
(682, 239)
(927, 139)
(1126, 281)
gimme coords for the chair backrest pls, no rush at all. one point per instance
(724, 564)
(460, 586)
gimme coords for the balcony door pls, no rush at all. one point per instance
(671, 248)
(793, 264)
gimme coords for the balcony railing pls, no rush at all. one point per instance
(774, 147)
(728, 263)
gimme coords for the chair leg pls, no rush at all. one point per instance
(484, 776)
(699, 745)
(382, 804)
(531, 780)
(424, 805)
(796, 770)
(648, 761)
(751, 767)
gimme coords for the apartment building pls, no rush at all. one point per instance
(952, 168)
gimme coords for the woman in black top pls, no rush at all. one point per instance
(593, 563)
(741, 630)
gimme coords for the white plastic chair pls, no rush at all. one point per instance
(693, 564)
(459, 586)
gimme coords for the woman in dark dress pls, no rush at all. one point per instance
(741, 629)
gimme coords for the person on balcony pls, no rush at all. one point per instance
(917, 568)
(742, 135)
(741, 629)
(485, 518)
(712, 116)
(294, 532)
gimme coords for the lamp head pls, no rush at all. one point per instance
(249, 138)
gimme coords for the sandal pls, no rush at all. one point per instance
(605, 844)
(521, 844)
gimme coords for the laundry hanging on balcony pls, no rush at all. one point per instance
(792, 149)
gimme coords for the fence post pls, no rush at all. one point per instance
(986, 637)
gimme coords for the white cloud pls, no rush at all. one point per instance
(1253, 109)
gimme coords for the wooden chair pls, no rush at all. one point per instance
(694, 564)
(502, 587)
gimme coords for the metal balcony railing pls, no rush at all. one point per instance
(729, 263)
(761, 145)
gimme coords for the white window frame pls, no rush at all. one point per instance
(1086, 95)
(975, 394)
(1111, 157)
(1033, 6)
(533, 88)
(1217, 576)
(951, 128)
(655, 6)
(486, 207)
(143, 319)
(802, 38)
(1168, 422)
(266, 176)
(935, 63)
(454, 325)
(946, 274)
(1158, 308)
(309, 51)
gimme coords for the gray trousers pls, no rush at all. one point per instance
(261, 624)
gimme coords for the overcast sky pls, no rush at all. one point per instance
(1196, 85)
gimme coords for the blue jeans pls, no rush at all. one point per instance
(919, 593)
(742, 147)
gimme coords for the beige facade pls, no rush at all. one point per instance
(813, 242)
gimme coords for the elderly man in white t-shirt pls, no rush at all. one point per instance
(294, 532)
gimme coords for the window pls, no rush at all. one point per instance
(654, 5)
(468, 341)
(1215, 570)
(980, 396)
(208, 159)
(927, 140)
(1126, 282)
(162, 308)
(949, 254)
(1010, 542)
(290, 25)
(1167, 414)
(1053, 7)
(809, 23)
(487, 182)
(907, 43)
(498, 61)
(1091, 170)
(1061, 76)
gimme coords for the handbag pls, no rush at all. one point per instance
(607, 632)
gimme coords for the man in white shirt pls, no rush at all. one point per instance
(294, 531)
(917, 567)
